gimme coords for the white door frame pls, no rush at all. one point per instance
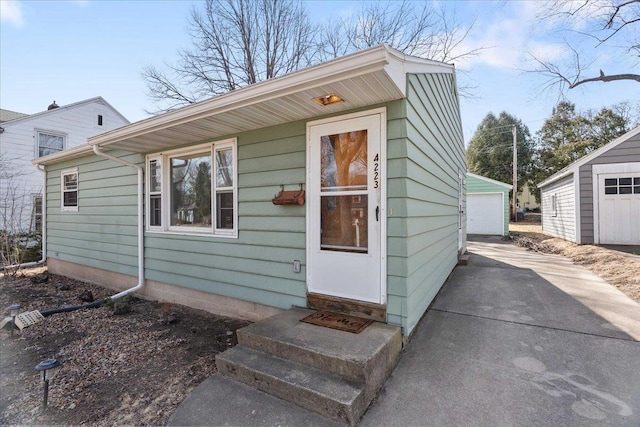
(382, 112)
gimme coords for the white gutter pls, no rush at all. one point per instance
(140, 284)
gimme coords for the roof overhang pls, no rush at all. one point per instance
(492, 181)
(369, 77)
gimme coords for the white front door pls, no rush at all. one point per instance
(344, 208)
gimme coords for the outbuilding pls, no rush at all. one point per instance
(337, 185)
(487, 206)
(596, 200)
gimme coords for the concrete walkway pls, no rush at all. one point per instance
(514, 338)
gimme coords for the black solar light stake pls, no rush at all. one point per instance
(44, 366)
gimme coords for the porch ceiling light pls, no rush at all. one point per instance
(331, 98)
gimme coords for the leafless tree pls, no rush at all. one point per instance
(235, 43)
(240, 42)
(606, 26)
(417, 29)
(15, 239)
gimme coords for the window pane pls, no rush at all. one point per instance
(636, 189)
(224, 168)
(71, 181)
(636, 181)
(624, 181)
(344, 223)
(155, 172)
(610, 182)
(224, 210)
(625, 190)
(191, 190)
(70, 198)
(343, 163)
(49, 144)
(611, 190)
(155, 211)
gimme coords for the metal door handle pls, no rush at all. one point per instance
(377, 212)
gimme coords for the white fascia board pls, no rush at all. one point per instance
(493, 181)
(573, 167)
(353, 65)
(71, 153)
(381, 57)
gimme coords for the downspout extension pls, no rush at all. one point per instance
(140, 284)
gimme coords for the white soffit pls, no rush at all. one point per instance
(362, 79)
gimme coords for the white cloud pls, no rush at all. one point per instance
(11, 12)
(509, 34)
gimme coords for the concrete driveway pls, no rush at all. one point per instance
(514, 338)
(517, 338)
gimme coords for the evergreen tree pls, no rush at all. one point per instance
(490, 152)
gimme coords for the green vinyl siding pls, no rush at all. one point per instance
(258, 265)
(476, 185)
(423, 189)
(102, 233)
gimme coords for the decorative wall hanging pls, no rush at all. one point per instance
(289, 197)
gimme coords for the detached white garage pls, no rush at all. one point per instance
(487, 206)
(602, 198)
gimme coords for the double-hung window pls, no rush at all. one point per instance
(69, 190)
(49, 143)
(194, 190)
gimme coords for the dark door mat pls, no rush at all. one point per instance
(342, 322)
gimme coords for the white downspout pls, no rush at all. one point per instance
(140, 284)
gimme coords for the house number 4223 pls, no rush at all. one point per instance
(376, 171)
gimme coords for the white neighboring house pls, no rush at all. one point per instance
(24, 137)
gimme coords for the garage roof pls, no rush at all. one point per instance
(369, 77)
(573, 167)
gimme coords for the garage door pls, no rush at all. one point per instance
(619, 209)
(485, 214)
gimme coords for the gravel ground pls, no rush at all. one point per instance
(133, 368)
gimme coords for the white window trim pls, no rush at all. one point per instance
(554, 204)
(64, 137)
(62, 191)
(165, 158)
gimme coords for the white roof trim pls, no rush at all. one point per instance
(381, 64)
(573, 167)
(492, 181)
(63, 108)
(396, 64)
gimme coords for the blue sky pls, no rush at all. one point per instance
(74, 50)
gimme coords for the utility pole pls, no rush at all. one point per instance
(515, 173)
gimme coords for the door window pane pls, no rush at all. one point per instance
(344, 223)
(344, 161)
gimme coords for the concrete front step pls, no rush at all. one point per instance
(306, 364)
(367, 356)
(327, 394)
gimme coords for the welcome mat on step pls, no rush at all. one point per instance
(338, 321)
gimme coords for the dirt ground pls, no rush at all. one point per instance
(127, 369)
(136, 368)
(619, 266)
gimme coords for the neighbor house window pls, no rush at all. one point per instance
(69, 189)
(36, 217)
(193, 190)
(49, 143)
